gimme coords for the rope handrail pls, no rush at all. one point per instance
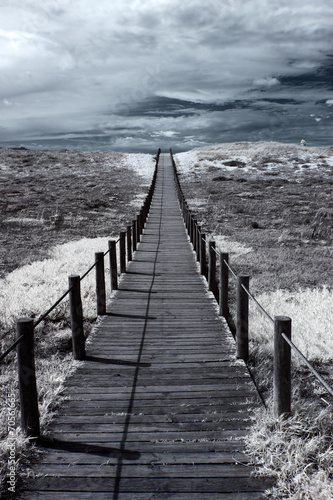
(218, 252)
(230, 268)
(252, 297)
(11, 348)
(306, 361)
(89, 270)
(262, 309)
(292, 345)
(214, 250)
(41, 318)
(44, 315)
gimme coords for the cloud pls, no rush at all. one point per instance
(266, 82)
(66, 65)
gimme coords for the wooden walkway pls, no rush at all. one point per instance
(161, 407)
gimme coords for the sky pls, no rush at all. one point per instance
(136, 75)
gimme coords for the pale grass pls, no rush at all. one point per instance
(296, 451)
(312, 318)
(30, 290)
(225, 244)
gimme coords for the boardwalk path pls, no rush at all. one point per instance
(161, 406)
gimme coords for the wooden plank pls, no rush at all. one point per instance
(153, 470)
(148, 485)
(148, 427)
(134, 449)
(58, 457)
(151, 418)
(72, 495)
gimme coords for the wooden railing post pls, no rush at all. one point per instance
(76, 315)
(282, 366)
(122, 251)
(27, 378)
(129, 243)
(224, 285)
(242, 323)
(100, 284)
(138, 229)
(113, 264)
(185, 216)
(203, 257)
(142, 220)
(134, 228)
(195, 230)
(198, 243)
(190, 227)
(212, 269)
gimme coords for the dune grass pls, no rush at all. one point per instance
(296, 451)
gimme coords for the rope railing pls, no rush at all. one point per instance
(25, 326)
(11, 348)
(282, 324)
(308, 364)
(230, 268)
(44, 316)
(260, 307)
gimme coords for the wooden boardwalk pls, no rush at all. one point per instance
(161, 407)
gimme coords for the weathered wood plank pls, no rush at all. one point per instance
(149, 485)
(232, 457)
(146, 418)
(153, 470)
(72, 495)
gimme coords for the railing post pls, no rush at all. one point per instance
(142, 220)
(113, 265)
(195, 229)
(122, 247)
(76, 315)
(192, 229)
(100, 284)
(134, 234)
(198, 243)
(242, 324)
(27, 378)
(129, 243)
(189, 223)
(224, 285)
(138, 229)
(185, 216)
(282, 366)
(212, 269)
(203, 256)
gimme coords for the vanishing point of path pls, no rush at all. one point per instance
(161, 407)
